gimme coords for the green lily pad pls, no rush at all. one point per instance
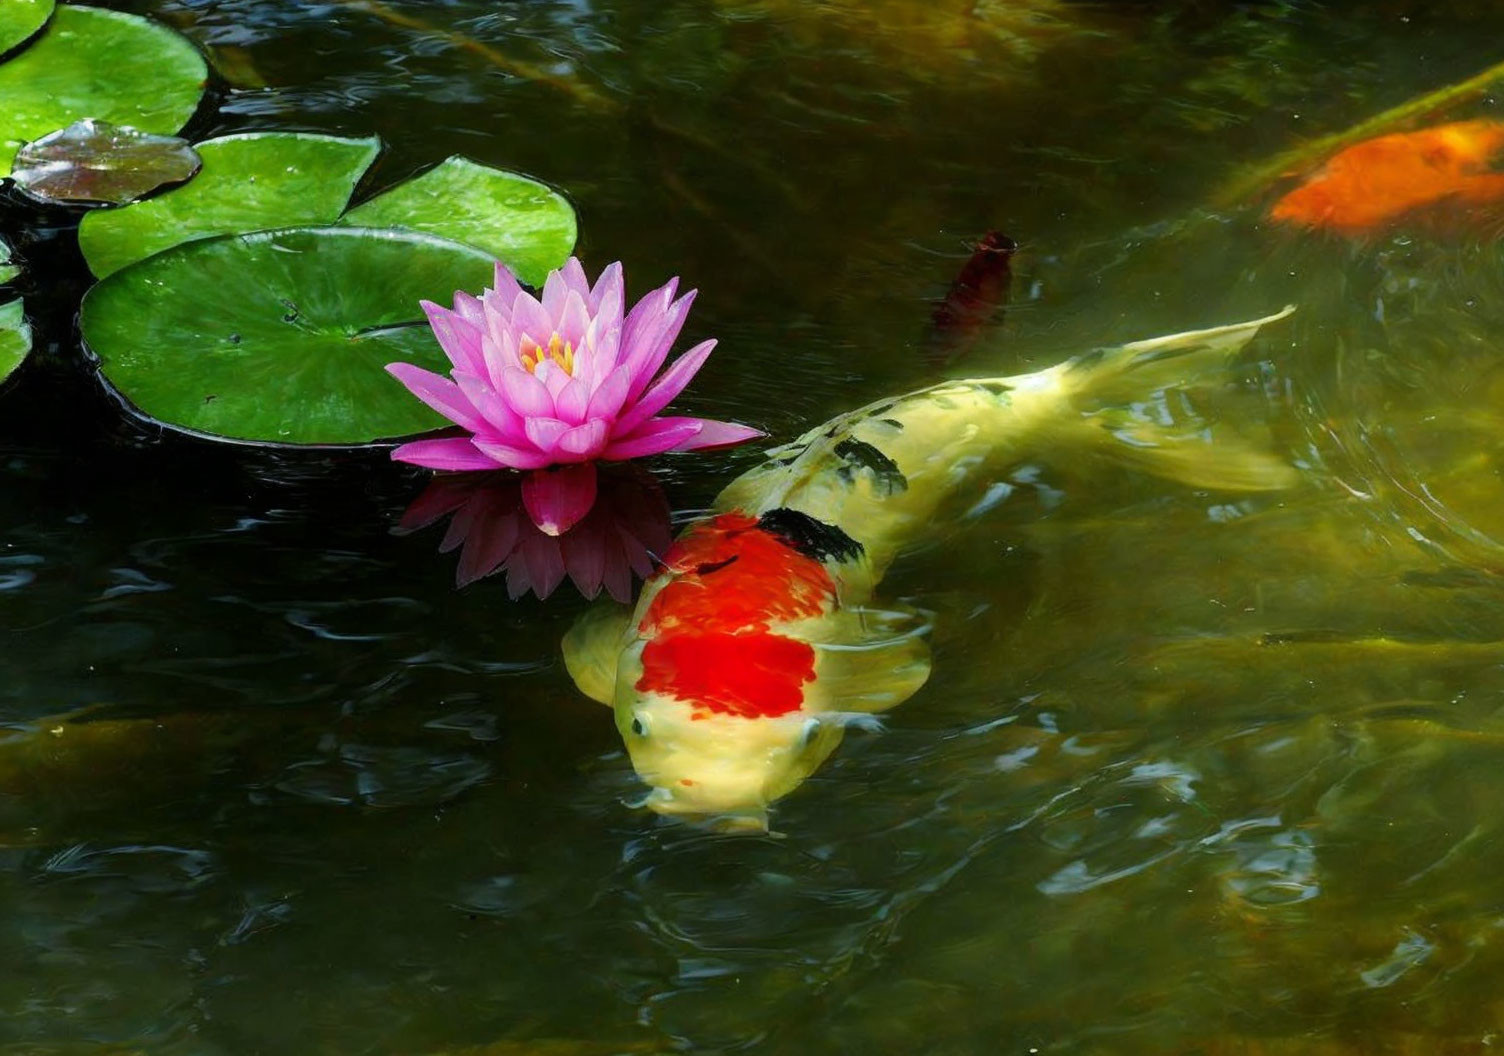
(101, 64)
(19, 19)
(528, 225)
(95, 161)
(8, 270)
(249, 182)
(15, 337)
(280, 337)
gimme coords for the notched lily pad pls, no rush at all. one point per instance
(280, 337)
(107, 65)
(528, 225)
(15, 337)
(250, 182)
(95, 161)
(19, 19)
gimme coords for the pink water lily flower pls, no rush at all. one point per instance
(553, 386)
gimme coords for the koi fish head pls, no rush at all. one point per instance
(722, 769)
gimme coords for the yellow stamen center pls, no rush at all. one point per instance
(558, 350)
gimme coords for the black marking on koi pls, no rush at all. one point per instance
(858, 454)
(714, 566)
(894, 422)
(812, 538)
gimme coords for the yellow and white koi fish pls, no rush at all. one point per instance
(755, 643)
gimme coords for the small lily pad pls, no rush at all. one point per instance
(19, 19)
(280, 337)
(95, 161)
(528, 225)
(15, 337)
(101, 64)
(250, 182)
(8, 270)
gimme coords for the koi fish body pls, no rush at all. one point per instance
(757, 641)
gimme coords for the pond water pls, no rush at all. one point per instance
(1196, 772)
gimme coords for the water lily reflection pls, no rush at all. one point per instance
(621, 536)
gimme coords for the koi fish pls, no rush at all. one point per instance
(1378, 181)
(757, 643)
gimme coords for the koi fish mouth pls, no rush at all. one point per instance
(751, 821)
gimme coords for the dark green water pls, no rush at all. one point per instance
(1196, 773)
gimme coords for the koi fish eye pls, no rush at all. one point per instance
(807, 734)
(639, 727)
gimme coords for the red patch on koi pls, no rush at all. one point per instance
(753, 675)
(730, 574)
(709, 627)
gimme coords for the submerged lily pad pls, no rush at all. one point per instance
(528, 225)
(101, 64)
(95, 161)
(15, 337)
(19, 19)
(280, 336)
(250, 182)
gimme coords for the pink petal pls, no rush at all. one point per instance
(555, 290)
(509, 455)
(652, 438)
(606, 401)
(525, 394)
(544, 433)
(647, 354)
(574, 276)
(572, 400)
(469, 308)
(609, 288)
(585, 440)
(459, 338)
(573, 319)
(598, 357)
(647, 312)
(556, 499)
(530, 318)
(505, 287)
(499, 420)
(499, 350)
(439, 393)
(716, 434)
(666, 387)
(456, 452)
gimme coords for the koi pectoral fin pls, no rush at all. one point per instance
(874, 660)
(593, 645)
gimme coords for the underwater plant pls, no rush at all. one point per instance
(550, 386)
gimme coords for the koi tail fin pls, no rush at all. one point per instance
(1109, 389)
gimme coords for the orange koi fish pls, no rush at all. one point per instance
(1376, 182)
(757, 642)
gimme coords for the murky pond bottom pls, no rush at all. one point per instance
(1196, 772)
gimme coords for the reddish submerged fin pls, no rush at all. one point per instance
(979, 291)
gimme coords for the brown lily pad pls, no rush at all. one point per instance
(95, 161)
